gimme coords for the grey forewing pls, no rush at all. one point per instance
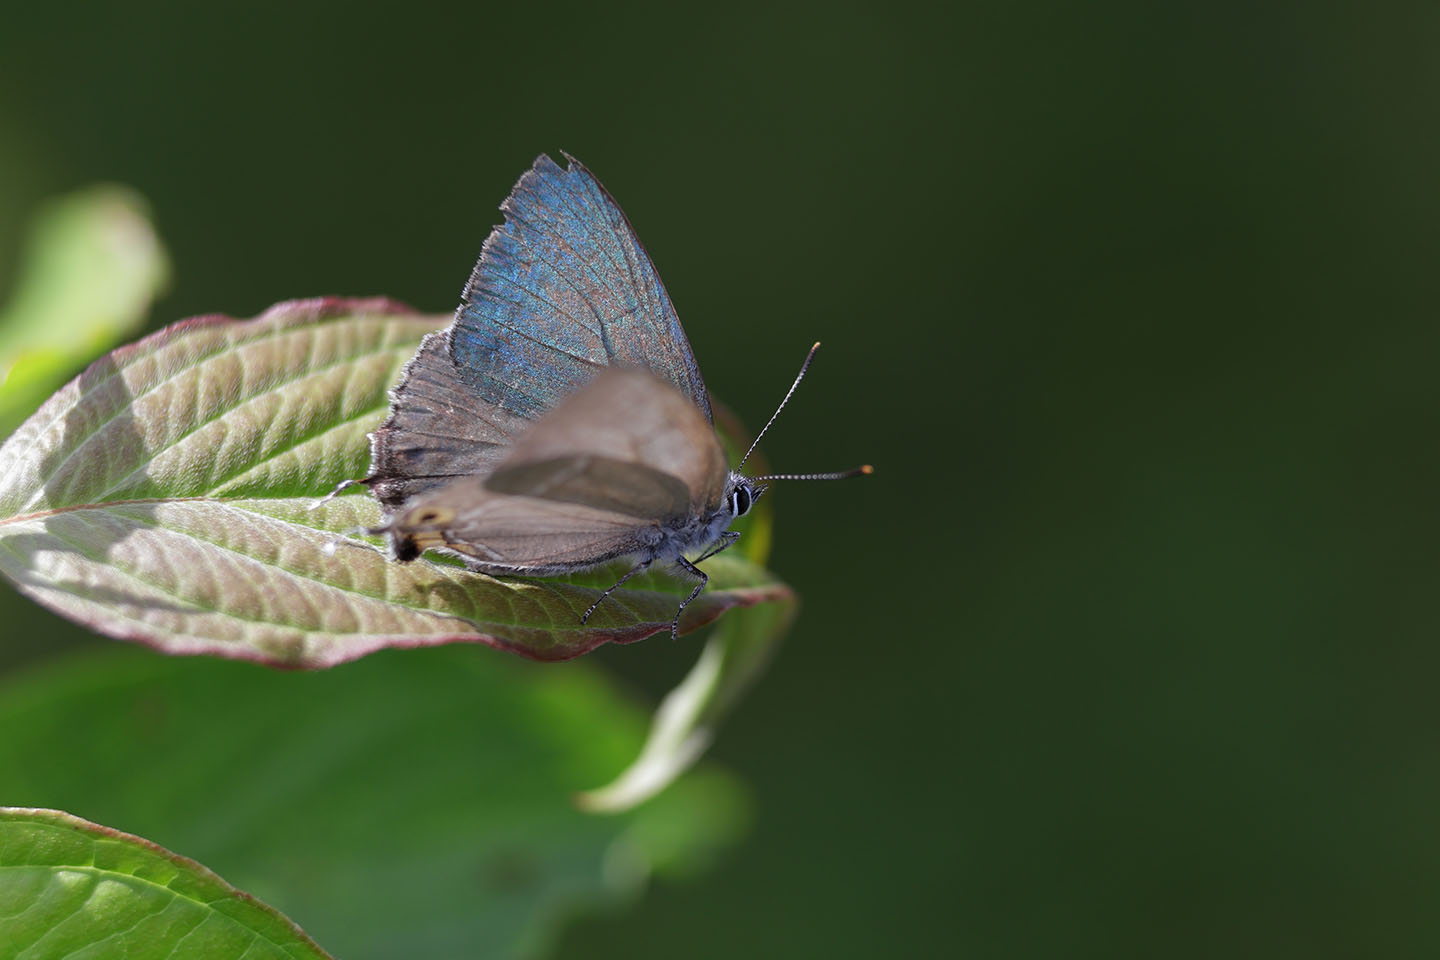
(438, 430)
(632, 416)
(501, 533)
(618, 486)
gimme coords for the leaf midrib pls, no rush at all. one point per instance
(102, 504)
(302, 576)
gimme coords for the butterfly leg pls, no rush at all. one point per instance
(613, 587)
(726, 540)
(343, 485)
(694, 571)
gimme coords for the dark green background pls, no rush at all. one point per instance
(1128, 649)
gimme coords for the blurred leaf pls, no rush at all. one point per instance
(165, 496)
(408, 804)
(92, 267)
(685, 723)
(71, 888)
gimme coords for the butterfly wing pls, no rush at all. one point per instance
(602, 482)
(562, 290)
(438, 429)
(502, 533)
(624, 426)
(620, 467)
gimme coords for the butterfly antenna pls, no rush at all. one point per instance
(861, 471)
(788, 394)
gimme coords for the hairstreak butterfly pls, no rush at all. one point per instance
(560, 421)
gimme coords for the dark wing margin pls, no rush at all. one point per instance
(563, 288)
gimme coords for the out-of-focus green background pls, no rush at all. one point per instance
(1129, 647)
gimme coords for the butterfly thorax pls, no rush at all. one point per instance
(707, 527)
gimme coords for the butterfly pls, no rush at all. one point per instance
(560, 421)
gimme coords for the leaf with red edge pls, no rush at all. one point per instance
(167, 496)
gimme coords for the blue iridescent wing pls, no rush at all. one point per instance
(564, 288)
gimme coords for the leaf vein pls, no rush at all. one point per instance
(297, 442)
(226, 411)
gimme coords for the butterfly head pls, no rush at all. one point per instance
(741, 494)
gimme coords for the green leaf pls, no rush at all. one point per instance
(71, 888)
(92, 267)
(167, 496)
(410, 804)
(685, 723)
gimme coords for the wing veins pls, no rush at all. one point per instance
(565, 275)
(511, 281)
(537, 340)
(604, 210)
(588, 262)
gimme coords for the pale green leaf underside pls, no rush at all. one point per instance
(76, 890)
(167, 496)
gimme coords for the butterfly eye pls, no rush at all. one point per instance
(740, 500)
